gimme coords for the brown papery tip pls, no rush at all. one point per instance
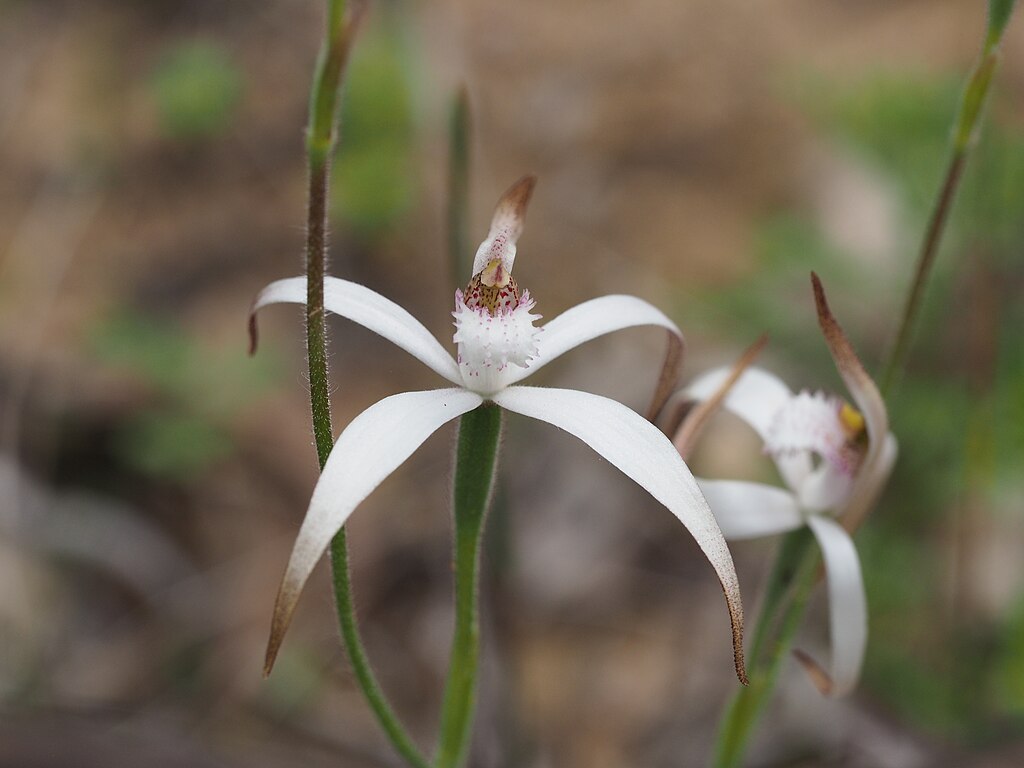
(735, 605)
(821, 679)
(283, 609)
(278, 630)
(834, 334)
(842, 350)
(273, 646)
(254, 333)
(668, 377)
(737, 645)
(516, 198)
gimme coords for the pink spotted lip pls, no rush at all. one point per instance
(812, 422)
(491, 344)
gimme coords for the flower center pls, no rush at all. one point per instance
(825, 425)
(852, 420)
(493, 329)
(493, 289)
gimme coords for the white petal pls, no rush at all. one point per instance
(645, 455)
(685, 425)
(756, 397)
(848, 615)
(750, 510)
(371, 310)
(590, 320)
(376, 443)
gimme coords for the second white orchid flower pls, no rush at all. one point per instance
(498, 346)
(834, 461)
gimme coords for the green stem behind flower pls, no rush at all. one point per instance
(475, 463)
(965, 132)
(796, 566)
(320, 141)
(789, 587)
(459, 254)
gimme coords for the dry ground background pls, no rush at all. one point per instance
(703, 154)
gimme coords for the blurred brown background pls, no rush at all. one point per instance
(702, 154)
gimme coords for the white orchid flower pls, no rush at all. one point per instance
(498, 346)
(834, 460)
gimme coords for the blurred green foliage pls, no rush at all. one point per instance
(172, 444)
(902, 128)
(196, 89)
(198, 391)
(936, 670)
(1008, 672)
(374, 171)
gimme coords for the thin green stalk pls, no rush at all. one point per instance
(796, 567)
(789, 588)
(475, 463)
(965, 132)
(357, 656)
(459, 255)
(320, 141)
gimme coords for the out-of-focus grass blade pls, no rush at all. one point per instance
(998, 16)
(458, 188)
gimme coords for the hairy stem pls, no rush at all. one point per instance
(475, 463)
(320, 141)
(316, 325)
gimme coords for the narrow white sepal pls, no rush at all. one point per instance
(373, 446)
(639, 450)
(756, 397)
(750, 510)
(848, 612)
(588, 321)
(370, 310)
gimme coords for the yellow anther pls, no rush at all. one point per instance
(494, 275)
(851, 419)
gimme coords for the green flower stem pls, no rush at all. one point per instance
(320, 141)
(789, 588)
(389, 722)
(459, 254)
(965, 132)
(475, 463)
